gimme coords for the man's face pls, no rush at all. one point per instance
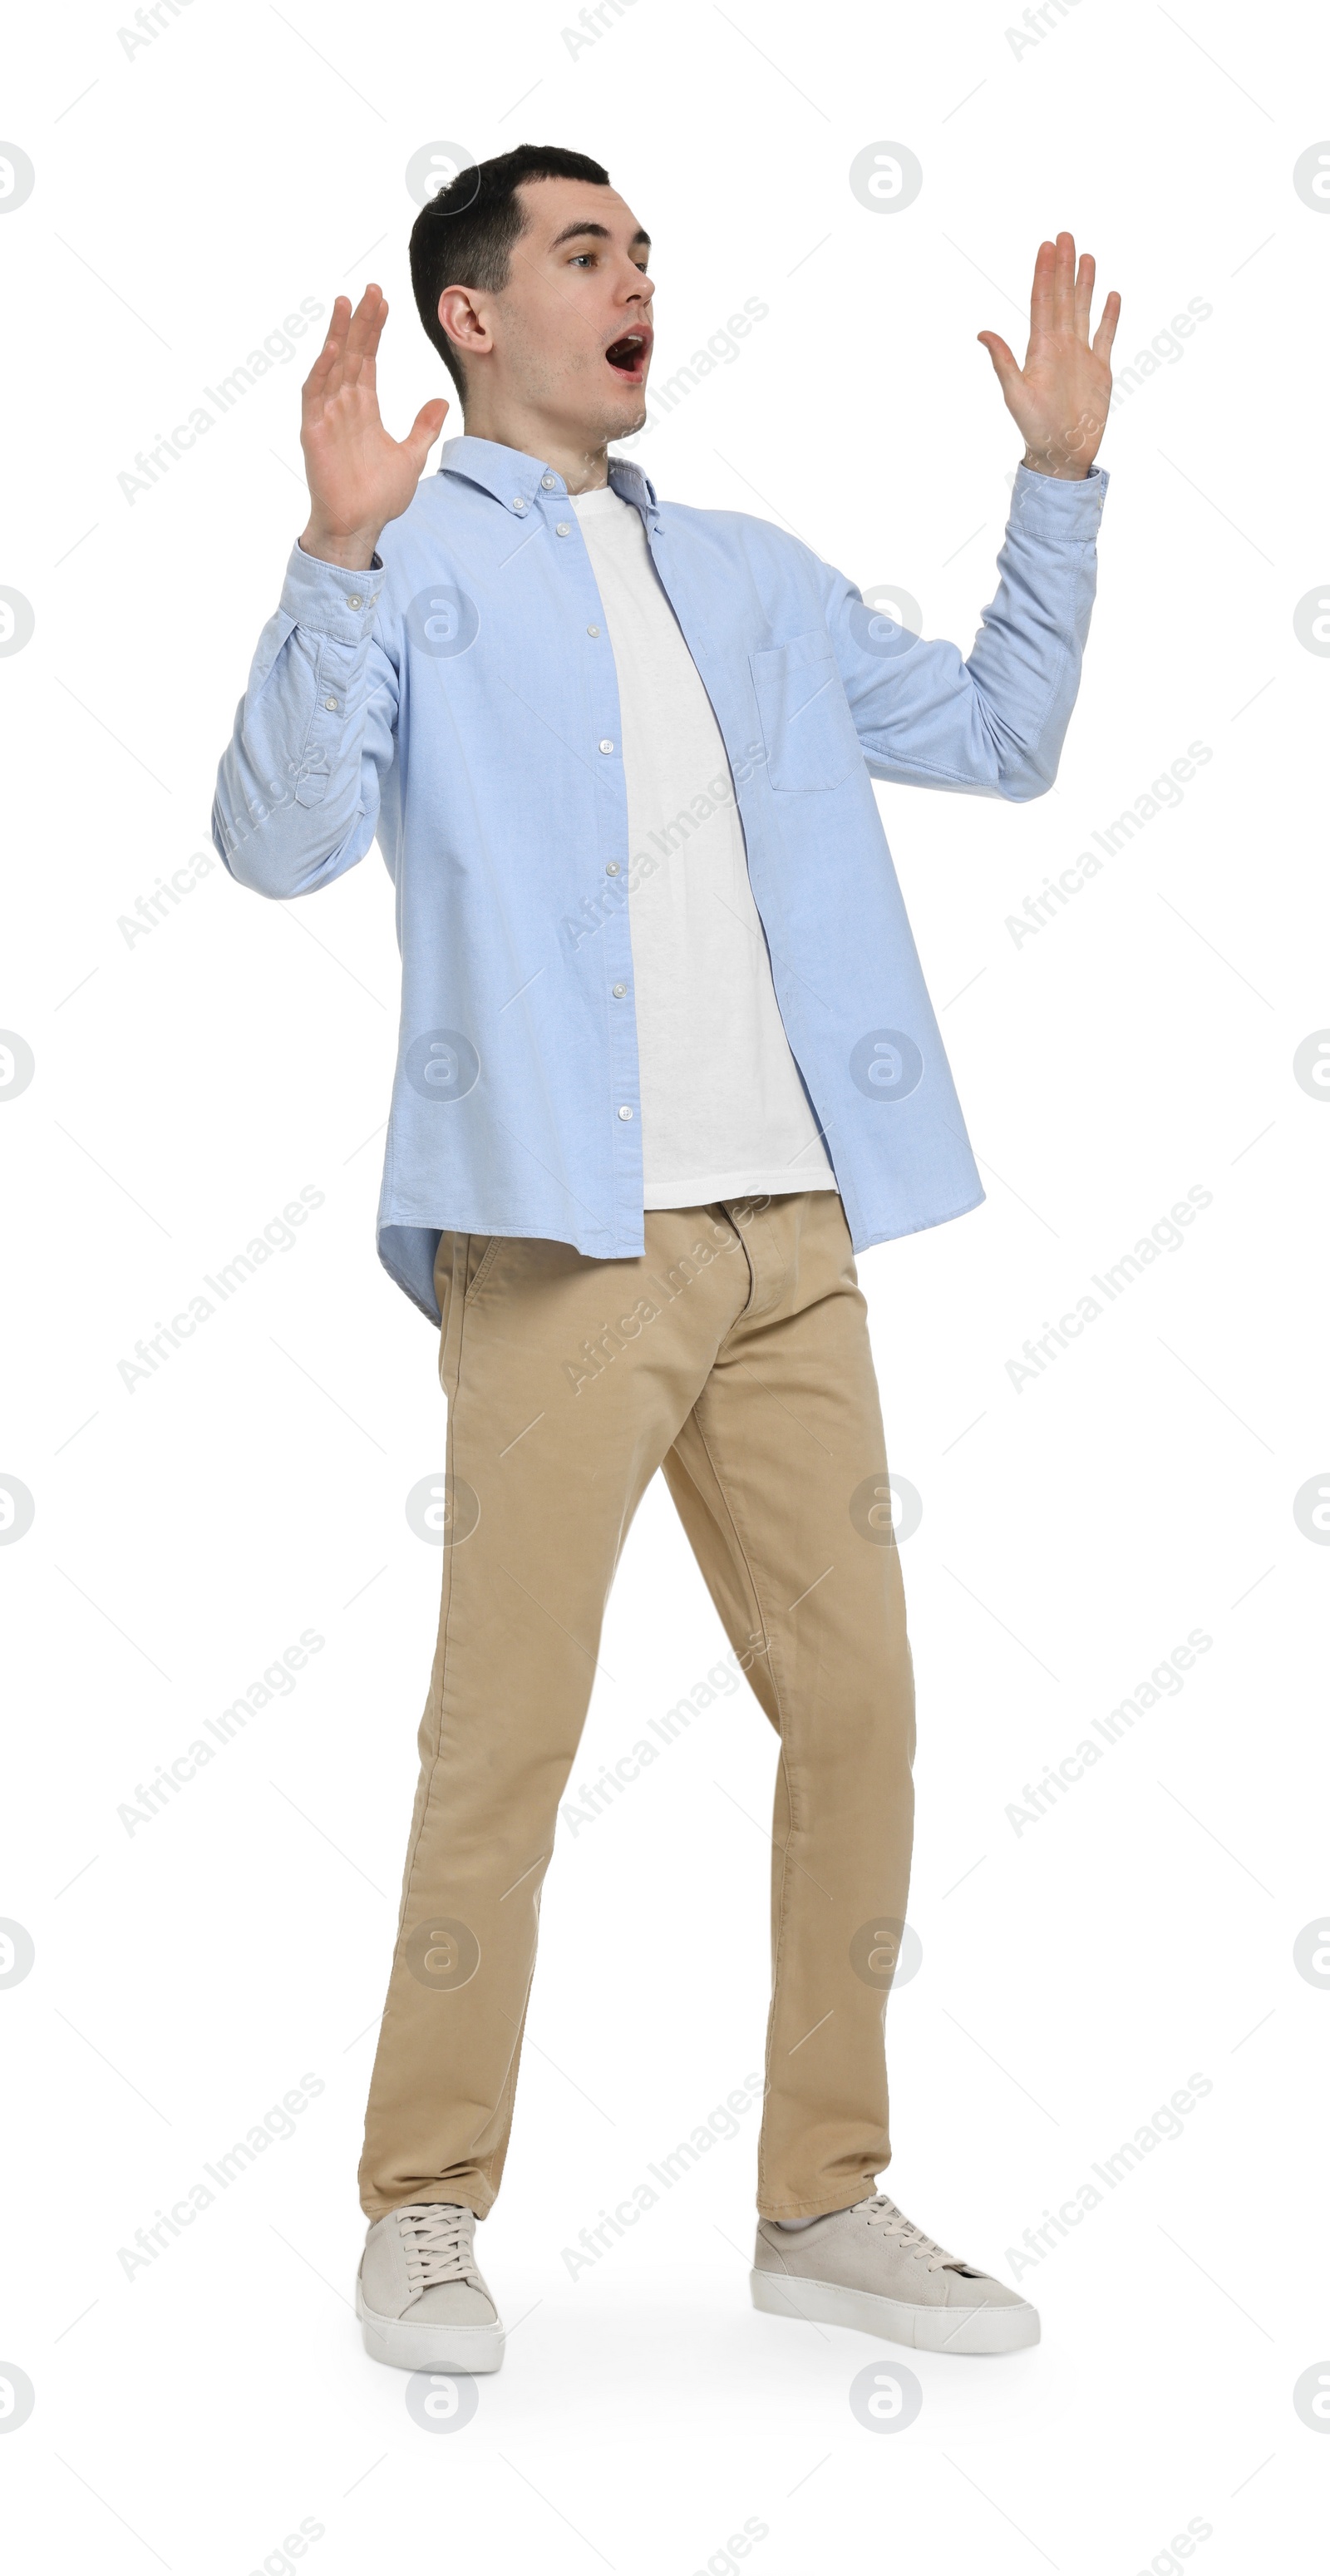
(570, 335)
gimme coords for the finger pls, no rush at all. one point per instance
(1084, 296)
(1041, 293)
(362, 320)
(358, 335)
(424, 430)
(362, 333)
(1004, 365)
(368, 372)
(1064, 283)
(330, 354)
(1108, 322)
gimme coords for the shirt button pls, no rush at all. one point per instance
(593, 630)
(611, 867)
(562, 528)
(547, 482)
(625, 1113)
(331, 705)
(607, 745)
(519, 504)
(354, 600)
(619, 991)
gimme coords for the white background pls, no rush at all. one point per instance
(187, 1085)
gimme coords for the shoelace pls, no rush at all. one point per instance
(437, 2237)
(884, 2213)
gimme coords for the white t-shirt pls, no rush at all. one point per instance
(724, 1113)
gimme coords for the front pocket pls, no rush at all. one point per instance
(487, 1246)
(807, 726)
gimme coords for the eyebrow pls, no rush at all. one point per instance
(597, 232)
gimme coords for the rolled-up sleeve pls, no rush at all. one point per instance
(299, 783)
(992, 723)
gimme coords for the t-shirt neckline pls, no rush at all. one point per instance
(591, 504)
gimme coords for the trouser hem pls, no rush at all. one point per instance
(418, 2199)
(822, 2208)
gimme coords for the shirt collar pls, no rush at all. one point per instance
(515, 479)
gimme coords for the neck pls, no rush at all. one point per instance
(582, 463)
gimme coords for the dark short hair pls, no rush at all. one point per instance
(464, 235)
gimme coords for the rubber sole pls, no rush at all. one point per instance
(829, 2303)
(404, 2346)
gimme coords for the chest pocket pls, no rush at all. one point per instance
(807, 726)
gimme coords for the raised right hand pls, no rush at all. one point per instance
(358, 476)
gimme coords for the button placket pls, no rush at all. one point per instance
(611, 934)
(615, 931)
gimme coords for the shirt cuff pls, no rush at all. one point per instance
(1084, 495)
(329, 599)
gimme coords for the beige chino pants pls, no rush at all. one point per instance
(734, 1356)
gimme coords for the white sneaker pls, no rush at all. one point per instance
(871, 2268)
(422, 2301)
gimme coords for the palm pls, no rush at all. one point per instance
(1059, 398)
(359, 477)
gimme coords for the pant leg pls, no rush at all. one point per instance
(567, 1378)
(779, 1477)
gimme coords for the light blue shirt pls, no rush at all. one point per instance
(459, 701)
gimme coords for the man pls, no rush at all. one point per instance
(666, 1061)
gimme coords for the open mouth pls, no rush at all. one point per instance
(629, 356)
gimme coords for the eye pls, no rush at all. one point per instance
(581, 255)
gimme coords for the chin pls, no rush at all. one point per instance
(613, 411)
(627, 412)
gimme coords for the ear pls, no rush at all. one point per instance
(461, 316)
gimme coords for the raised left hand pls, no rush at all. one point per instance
(1059, 398)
